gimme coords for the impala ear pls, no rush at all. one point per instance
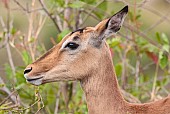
(112, 25)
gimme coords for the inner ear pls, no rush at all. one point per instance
(112, 25)
(116, 21)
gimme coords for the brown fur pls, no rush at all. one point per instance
(92, 65)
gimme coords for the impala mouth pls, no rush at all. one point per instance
(35, 81)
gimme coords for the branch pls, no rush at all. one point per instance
(142, 3)
(3, 44)
(91, 11)
(40, 97)
(157, 13)
(4, 27)
(7, 36)
(158, 22)
(26, 9)
(9, 107)
(140, 33)
(10, 94)
(57, 100)
(50, 15)
(129, 97)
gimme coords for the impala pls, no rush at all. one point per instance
(84, 55)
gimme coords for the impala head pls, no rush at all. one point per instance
(77, 55)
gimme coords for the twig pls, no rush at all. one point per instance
(90, 12)
(10, 60)
(50, 15)
(137, 70)
(28, 106)
(7, 36)
(129, 97)
(9, 107)
(57, 101)
(3, 44)
(156, 13)
(26, 9)
(138, 62)
(140, 33)
(41, 103)
(154, 82)
(158, 22)
(77, 19)
(30, 31)
(124, 36)
(10, 94)
(124, 67)
(20, 5)
(138, 4)
(39, 28)
(5, 30)
(59, 22)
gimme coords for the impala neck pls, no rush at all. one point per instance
(101, 89)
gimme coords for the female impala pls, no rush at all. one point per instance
(85, 56)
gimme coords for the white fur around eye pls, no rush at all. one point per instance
(64, 44)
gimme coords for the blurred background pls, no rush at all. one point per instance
(29, 28)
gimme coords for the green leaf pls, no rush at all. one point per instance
(21, 37)
(103, 6)
(131, 15)
(8, 71)
(0, 38)
(118, 69)
(77, 4)
(13, 31)
(165, 38)
(158, 83)
(62, 34)
(2, 85)
(166, 48)
(19, 86)
(31, 39)
(162, 39)
(165, 81)
(100, 10)
(113, 42)
(20, 77)
(163, 60)
(158, 37)
(25, 57)
(149, 47)
(89, 1)
(59, 3)
(138, 15)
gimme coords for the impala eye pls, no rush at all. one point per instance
(72, 45)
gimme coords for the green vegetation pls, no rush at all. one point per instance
(141, 51)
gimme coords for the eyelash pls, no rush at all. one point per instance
(72, 45)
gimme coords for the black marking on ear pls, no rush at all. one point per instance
(107, 23)
(78, 30)
(115, 29)
(124, 10)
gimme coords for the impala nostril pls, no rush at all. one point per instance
(27, 70)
